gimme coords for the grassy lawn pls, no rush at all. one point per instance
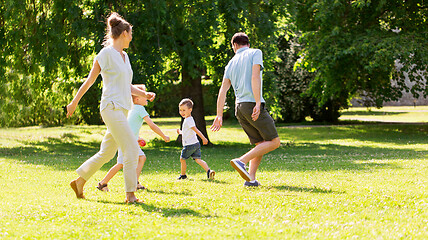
(364, 181)
(387, 114)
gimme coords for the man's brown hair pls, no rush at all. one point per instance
(240, 38)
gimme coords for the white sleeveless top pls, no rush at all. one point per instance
(117, 78)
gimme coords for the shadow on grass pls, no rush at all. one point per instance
(376, 133)
(163, 211)
(169, 193)
(305, 189)
(68, 153)
(214, 181)
(301, 157)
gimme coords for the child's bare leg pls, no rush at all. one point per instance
(111, 173)
(183, 166)
(140, 165)
(203, 164)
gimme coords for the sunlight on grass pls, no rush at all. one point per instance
(387, 114)
(331, 182)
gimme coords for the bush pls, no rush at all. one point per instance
(291, 105)
(292, 101)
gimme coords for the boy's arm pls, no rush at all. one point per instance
(155, 128)
(204, 139)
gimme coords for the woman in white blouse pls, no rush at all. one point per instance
(113, 64)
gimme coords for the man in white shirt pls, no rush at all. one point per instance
(244, 74)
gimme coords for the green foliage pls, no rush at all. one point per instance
(293, 103)
(190, 40)
(291, 83)
(89, 105)
(43, 53)
(353, 45)
(176, 43)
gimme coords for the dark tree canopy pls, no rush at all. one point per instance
(352, 47)
(48, 47)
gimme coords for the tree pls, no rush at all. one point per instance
(354, 46)
(291, 83)
(194, 36)
(43, 44)
(48, 46)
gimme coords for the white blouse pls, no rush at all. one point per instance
(117, 78)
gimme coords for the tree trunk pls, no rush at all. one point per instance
(192, 88)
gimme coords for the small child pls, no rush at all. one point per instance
(136, 116)
(191, 145)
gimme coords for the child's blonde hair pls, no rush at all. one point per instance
(139, 86)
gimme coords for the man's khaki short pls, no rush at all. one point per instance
(263, 129)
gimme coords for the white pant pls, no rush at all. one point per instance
(120, 155)
(118, 134)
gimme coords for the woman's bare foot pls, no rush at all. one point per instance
(131, 198)
(77, 186)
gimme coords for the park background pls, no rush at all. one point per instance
(318, 55)
(339, 173)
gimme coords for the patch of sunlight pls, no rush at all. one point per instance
(387, 145)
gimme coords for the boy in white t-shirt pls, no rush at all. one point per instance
(136, 116)
(191, 145)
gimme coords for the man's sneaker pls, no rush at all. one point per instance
(240, 167)
(210, 174)
(182, 177)
(250, 184)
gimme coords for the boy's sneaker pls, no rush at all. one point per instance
(182, 177)
(210, 174)
(240, 167)
(250, 184)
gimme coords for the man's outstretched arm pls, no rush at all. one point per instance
(221, 99)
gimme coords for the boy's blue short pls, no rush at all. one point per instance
(193, 150)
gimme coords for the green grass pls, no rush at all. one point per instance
(333, 182)
(387, 114)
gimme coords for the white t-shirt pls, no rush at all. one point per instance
(117, 78)
(188, 135)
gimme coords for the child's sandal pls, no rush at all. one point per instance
(140, 187)
(102, 187)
